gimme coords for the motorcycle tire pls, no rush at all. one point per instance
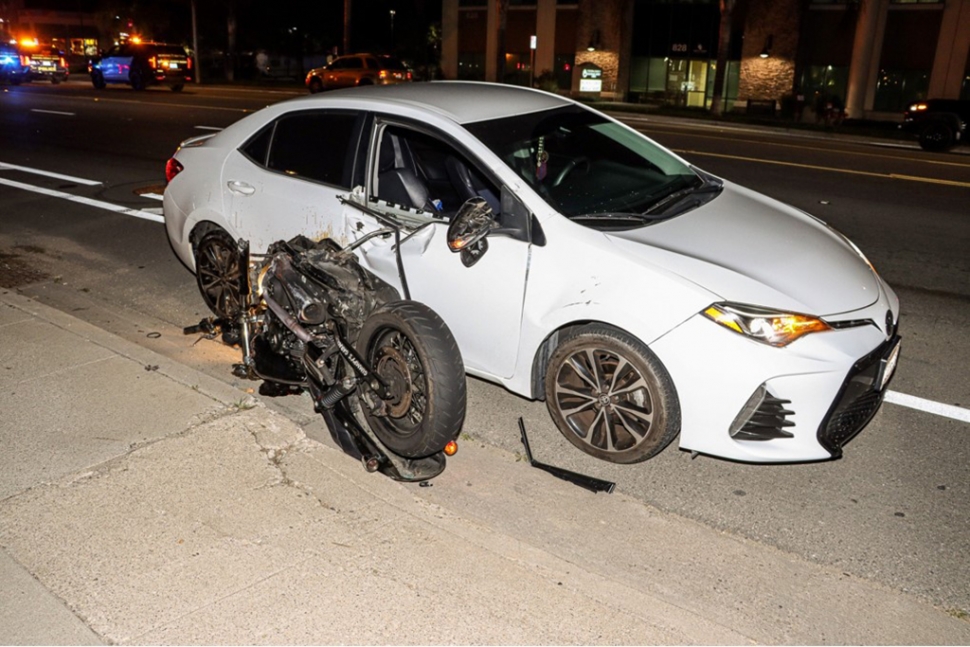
(412, 349)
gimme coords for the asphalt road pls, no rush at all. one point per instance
(895, 509)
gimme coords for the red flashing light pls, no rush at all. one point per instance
(188, 63)
(451, 448)
(566, 67)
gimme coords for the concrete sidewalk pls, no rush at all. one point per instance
(143, 502)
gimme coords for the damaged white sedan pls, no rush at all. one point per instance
(638, 295)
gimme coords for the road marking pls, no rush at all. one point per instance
(208, 128)
(929, 406)
(54, 112)
(79, 180)
(657, 129)
(137, 213)
(153, 196)
(815, 167)
(174, 105)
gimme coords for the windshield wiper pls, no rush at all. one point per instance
(702, 186)
(613, 216)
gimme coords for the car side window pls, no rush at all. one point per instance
(257, 147)
(313, 145)
(355, 63)
(415, 170)
(372, 64)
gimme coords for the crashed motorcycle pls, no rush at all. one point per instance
(384, 372)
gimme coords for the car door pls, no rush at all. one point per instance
(286, 179)
(481, 304)
(115, 66)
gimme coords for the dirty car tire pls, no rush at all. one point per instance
(936, 135)
(217, 272)
(610, 396)
(412, 349)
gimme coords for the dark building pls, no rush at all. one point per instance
(873, 56)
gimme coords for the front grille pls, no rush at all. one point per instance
(858, 401)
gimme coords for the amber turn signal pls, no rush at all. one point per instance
(451, 448)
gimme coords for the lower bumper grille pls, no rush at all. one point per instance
(858, 401)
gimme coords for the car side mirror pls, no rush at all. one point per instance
(467, 231)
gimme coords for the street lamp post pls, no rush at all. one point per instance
(393, 13)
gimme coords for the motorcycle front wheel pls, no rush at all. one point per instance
(409, 346)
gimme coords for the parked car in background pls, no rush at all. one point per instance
(143, 64)
(46, 63)
(940, 124)
(14, 68)
(574, 260)
(357, 69)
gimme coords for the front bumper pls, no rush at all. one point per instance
(804, 401)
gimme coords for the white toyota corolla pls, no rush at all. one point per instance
(639, 296)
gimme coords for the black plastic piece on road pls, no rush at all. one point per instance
(582, 480)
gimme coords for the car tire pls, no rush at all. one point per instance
(178, 87)
(136, 80)
(97, 80)
(218, 272)
(55, 80)
(936, 136)
(610, 396)
(365, 82)
(16, 79)
(316, 85)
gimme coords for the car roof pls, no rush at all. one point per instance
(462, 101)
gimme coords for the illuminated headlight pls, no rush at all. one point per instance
(767, 326)
(917, 107)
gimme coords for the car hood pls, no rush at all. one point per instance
(748, 248)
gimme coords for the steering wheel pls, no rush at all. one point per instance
(570, 167)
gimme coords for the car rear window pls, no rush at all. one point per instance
(314, 145)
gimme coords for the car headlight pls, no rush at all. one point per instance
(767, 326)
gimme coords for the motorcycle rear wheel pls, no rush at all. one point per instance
(412, 349)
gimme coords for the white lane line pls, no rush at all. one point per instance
(929, 406)
(208, 128)
(79, 180)
(137, 213)
(54, 112)
(153, 196)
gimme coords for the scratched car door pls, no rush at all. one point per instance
(285, 179)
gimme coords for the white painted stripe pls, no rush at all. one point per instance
(137, 213)
(208, 128)
(54, 112)
(153, 196)
(929, 406)
(79, 180)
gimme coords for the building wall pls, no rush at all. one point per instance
(605, 25)
(771, 26)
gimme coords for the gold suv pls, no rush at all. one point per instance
(357, 69)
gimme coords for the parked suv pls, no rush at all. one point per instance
(13, 66)
(940, 123)
(357, 69)
(143, 64)
(46, 63)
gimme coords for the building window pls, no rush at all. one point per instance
(471, 66)
(896, 89)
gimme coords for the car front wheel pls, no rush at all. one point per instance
(97, 80)
(610, 396)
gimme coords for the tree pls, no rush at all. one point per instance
(723, 50)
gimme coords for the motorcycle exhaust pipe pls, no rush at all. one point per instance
(288, 320)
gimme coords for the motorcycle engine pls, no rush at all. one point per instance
(317, 283)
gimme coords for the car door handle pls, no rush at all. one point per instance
(241, 187)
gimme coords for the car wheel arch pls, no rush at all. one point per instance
(542, 354)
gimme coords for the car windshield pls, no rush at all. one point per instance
(589, 168)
